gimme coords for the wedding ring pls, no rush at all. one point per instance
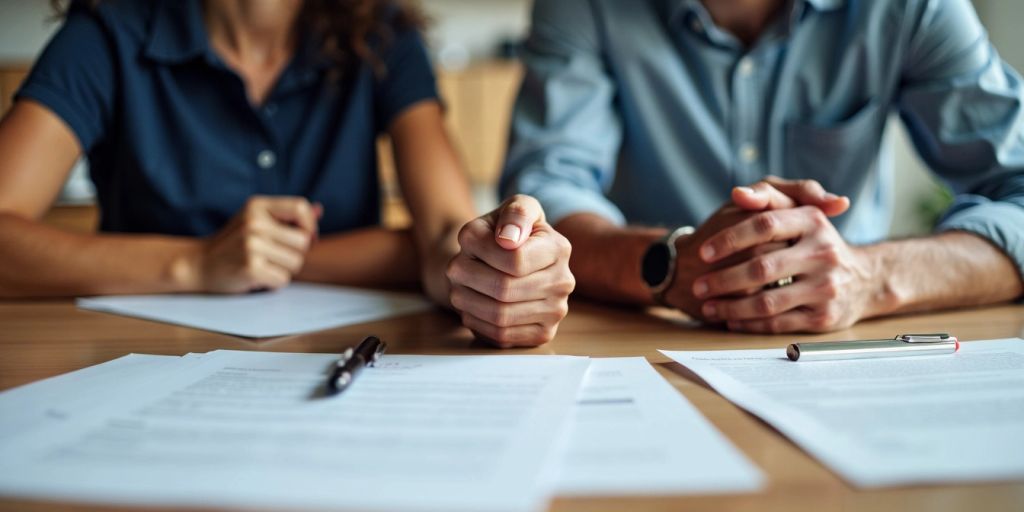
(780, 283)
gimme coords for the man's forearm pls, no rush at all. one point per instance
(948, 270)
(606, 258)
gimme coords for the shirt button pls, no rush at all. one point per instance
(696, 26)
(746, 66)
(749, 153)
(266, 159)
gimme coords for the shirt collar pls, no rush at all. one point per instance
(177, 32)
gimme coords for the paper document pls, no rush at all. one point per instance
(248, 429)
(633, 433)
(888, 421)
(298, 308)
(28, 407)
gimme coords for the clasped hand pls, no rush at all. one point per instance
(510, 281)
(774, 230)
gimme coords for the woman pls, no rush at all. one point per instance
(232, 144)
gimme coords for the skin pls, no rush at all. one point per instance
(723, 268)
(273, 240)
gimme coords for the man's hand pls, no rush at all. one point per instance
(511, 280)
(834, 285)
(770, 194)
(262, 247)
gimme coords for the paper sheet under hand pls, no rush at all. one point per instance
(298, 308)
(888, 421)
(247, 429)
(633, 433)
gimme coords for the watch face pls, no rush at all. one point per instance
(655, 265)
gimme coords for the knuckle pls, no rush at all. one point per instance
(560, 311)
(504, 289)
(250, 244)
(830, 255)
(811, 185)
(826, 319)
(765, 305)
(451, 271)
(505, 337)
(502, 317)
(456, 298)
(465, 235)
(818, 217)
(765, 223)
(727, 241)
(517, 206)
(830, 288)
(566, 285)
(761, 269)
(564, 246)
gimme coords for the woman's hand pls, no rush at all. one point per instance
(263, 246)
(511, 280)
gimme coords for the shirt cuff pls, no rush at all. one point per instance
(66, 109)
(1001, 223)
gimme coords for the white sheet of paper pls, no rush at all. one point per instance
(245, 429)
(633, 433)
(891, 421)
(297, 308)
(28, 407)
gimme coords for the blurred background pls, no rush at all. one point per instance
(473, 44)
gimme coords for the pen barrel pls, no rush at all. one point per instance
(866, 349)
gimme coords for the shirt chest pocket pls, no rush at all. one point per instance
(839, 155)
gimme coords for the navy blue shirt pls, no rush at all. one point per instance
(174, 144)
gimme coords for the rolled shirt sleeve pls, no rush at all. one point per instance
(964, 109)
(566, 132)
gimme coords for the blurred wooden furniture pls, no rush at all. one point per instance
(478, 102)
(45, 338)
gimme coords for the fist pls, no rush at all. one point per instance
(510, 281)
(262, 247)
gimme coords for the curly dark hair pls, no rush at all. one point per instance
(348, 31)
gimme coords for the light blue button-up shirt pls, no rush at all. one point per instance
(645, 112)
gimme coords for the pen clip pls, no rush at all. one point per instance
(378, 352)
(940, 337)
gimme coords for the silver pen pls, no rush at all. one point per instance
(900, 346)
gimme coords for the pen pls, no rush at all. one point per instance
(900, 346)
(352, 361)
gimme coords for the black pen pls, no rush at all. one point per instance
(352, 362)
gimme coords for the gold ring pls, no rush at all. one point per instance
(786, 281)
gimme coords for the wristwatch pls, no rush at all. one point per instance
(658, 267)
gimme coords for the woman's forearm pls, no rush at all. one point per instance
(372, 257)
(37, 260)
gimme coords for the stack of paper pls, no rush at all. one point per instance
(250, 429)
(883, 422)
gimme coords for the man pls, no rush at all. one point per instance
(652, 113)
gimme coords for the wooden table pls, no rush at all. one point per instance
(41, 339)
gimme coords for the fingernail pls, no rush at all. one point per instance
(830, 196)
(707, 252)
(510, 232)
(746, 190)
(700, 288)
(709, 310)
